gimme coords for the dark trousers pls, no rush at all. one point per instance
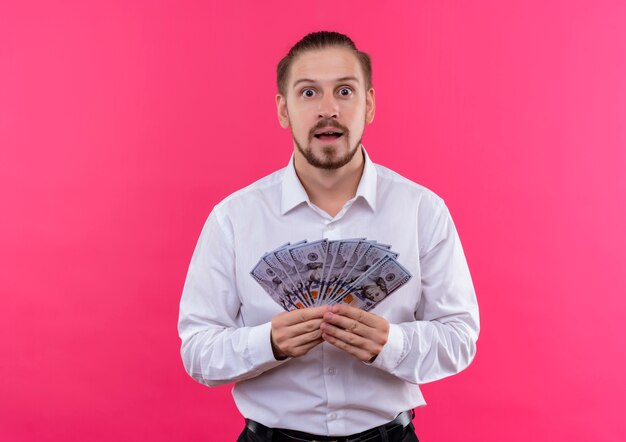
(407, 434)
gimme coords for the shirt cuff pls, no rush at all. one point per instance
(260, 348)
(393, 351)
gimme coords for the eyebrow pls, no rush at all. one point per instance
(338, 80)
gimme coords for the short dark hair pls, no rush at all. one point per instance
(321, 40)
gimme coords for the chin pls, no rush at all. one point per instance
(328, 157)
(332, 158)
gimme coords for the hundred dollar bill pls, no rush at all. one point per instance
(335, 262)
(376, 284)
(309, 262)
(286, 261)
(275, 286)
(331, 251)
(347, 250)
(292, 285)
(373, 255)
(348, 270)
(357, 271)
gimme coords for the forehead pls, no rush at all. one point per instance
(325, 65)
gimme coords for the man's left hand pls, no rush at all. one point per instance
(355, 331)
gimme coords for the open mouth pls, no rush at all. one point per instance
(328, 135)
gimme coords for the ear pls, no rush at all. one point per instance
(281, 108)
(370, 106)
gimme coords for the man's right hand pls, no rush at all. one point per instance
(295, 333)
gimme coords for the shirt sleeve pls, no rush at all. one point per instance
(217, 348)
(442, 339)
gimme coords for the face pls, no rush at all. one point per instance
(326, 106)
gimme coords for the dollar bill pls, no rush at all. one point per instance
(384, 278)
(288, 264)
(357, 272)
(271, 282)
(309, 262)
(286, 275)
(373, 255)
(334, 265)
(347, 250)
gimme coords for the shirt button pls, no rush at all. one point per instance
(330, 227)
(332, 370)
(332, 416)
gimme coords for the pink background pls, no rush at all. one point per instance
(123, 122)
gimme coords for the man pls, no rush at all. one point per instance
(328, 372)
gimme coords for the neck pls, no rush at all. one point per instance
(330, 189)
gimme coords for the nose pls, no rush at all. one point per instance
(328, 107)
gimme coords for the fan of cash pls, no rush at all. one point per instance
(358, 272)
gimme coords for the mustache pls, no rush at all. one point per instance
(326, 123)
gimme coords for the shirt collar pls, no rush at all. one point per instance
(293, 192)
(367, 185)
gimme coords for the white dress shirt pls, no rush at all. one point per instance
(225, 315)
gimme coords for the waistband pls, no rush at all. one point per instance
(283, 435)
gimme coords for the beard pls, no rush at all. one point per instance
(329, 159)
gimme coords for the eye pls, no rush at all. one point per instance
(345, 91)
(307, 93)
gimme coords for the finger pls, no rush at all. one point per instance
(302, 315)
(305, 338)
(346, 323)
(304, 349)
(290, 346)
(357, 352)
(302, 328)
(372, 346)
(282, 335)
(357, 314)
(345, 336)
